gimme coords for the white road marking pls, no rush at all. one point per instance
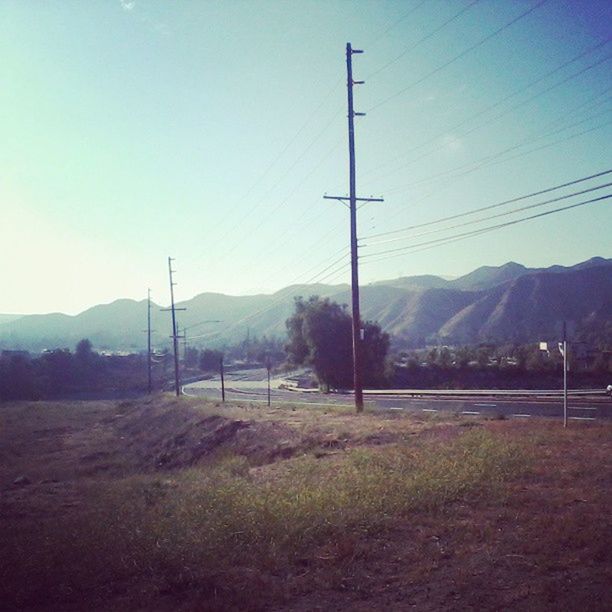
(470, 412)
(582, 418)
(485, 404)
(521, 415)
(429, 409)
(582, 408)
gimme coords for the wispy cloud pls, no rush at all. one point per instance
(127, 5)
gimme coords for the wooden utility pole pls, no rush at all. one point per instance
(353, 199)
(222, 378)
(564, 374)
(174, 336)
(149, 377)
(268, 367)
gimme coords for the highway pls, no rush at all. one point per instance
(251, 386)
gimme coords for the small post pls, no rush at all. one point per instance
(222, 378)
(268, 366)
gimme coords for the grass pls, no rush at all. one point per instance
(231, 533)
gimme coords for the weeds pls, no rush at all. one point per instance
(204, 526)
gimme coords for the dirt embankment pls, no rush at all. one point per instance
(113, 439)
(170, 435)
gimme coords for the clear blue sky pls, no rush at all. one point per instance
(209, 131)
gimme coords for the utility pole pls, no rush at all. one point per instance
(268, 367)
(564, 374)
(222, 378)
(149, 378)
(185, 346)
(174, 336)
(353, 199)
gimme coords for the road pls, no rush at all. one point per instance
(251, 386)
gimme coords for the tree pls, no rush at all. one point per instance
(444, 358)
(210, 360)
(377, 369)
(191, 357)
(320, 334)
(83, 351)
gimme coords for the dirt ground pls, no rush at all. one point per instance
(544, 542)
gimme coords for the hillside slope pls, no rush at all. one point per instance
(507, 303)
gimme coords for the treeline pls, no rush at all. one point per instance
(505, 366)
(252, 351)
(62, 373)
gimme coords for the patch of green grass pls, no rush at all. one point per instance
(202, 525)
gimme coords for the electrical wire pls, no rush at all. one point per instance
(440, 241)
(492, 206)
(396, 22)
(422, 39)
(474, 165)
(461, 55)
(489, 108)
(496, 216)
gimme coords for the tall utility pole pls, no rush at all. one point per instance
(221, 372)
(564, 374)
(149, 378)
(268, 367)
(174, 336)
(353, 199)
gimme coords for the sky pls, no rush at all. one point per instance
(131, 131)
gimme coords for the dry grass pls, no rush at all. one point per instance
(369, 512)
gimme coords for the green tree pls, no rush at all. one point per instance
(191, 357)
(84, 352)
(444, 358)
(210, 360)
(320, 334)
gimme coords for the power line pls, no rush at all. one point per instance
(397, 21)
(496, 216)
(487, 159)
(493, 162)
(492, 206)
(321, 160)
(499, 116)
(497, 104)
(279, 156)
(316, 278)
(465, 52)
(422, 39)
(390, 253)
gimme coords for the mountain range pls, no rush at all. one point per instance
(509, 303)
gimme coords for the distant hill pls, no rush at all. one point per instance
(497, 304)
(6, 318)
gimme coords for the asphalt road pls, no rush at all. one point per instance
(251, 386)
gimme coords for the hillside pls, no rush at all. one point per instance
(505, 303)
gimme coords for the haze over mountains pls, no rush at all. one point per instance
(498, 304)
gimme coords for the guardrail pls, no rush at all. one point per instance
(488, 392)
